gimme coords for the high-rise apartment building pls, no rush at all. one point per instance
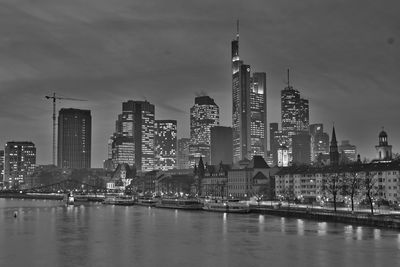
(203, 116)
(165, 144)
(74, 138)
(134, 131)
(221, 145)
(273, 141)
(249, 106)
(294, 115)
(319, 141)
(19, 162)
(183, 153)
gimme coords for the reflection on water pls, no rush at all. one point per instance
(52, 234)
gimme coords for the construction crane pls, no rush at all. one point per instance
(54, 97)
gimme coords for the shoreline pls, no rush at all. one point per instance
(357, 218)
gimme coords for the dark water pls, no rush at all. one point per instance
(47, 233)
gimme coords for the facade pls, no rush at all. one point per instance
(307, 182)
(319, 141)
(333, 150)
(348, 151)
(283, 156)
(294, 115)
(74, 138)
(221, 145)
(1, 165)
(301, 148)
(19, 162)
(203, 116)
(134, 129)
(383, 149)
(183, 153)
(165, 142)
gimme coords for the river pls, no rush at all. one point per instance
(48, 233)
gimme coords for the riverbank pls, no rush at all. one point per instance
(53, 196)
(357, 218)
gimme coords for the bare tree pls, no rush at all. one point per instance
(370, 189)
(351, 187)
(332, 186)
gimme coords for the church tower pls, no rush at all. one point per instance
(384, 151)
(333, 150)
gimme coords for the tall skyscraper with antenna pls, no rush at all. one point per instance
(249, 116)
(294, 114)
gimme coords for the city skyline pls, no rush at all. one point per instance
(348, 73)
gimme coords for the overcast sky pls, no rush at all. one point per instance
(344, 57)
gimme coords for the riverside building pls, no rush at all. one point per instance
(19, 162)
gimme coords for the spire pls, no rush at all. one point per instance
(237, 30)
(333, 140)
(288, 78)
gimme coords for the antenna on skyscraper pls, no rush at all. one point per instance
(288, 78)
(237, 30)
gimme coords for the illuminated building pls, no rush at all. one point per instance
(203, 116)
(273, 141)
(348, 152)
(249, 107)
(183, 153)
(74, 138)
(1, 165)
(384, 150)
(294, 115)
(19, 162)
(258, 115)
(221, 145)
(134, 131)
(283, 156)
(319, 141)
(165, 142)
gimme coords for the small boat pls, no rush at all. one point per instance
(69, 199)
(119, 200)
(147, 201)
(231, 206)
(179, 203)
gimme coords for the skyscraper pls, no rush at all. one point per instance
(183, 153)
(19, 162)
(319, 141)
(74, 138)
(294, 115)
(248, 108)
(203, 116)
(258, 115)
(221, 145)
(273, 141)
(135, 131)
(165, 142)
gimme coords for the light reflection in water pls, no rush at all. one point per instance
(348, 232)
(300, 226)
(261, 219)
(359, 233)
(322, 228)
(283, 225)
(377, 234)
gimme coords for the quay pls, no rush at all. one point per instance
(390, 221)
(51, 196)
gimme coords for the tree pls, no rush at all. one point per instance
(370, 189)
(352, 187)
(332, 186)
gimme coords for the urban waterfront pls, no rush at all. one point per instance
(49, 233)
